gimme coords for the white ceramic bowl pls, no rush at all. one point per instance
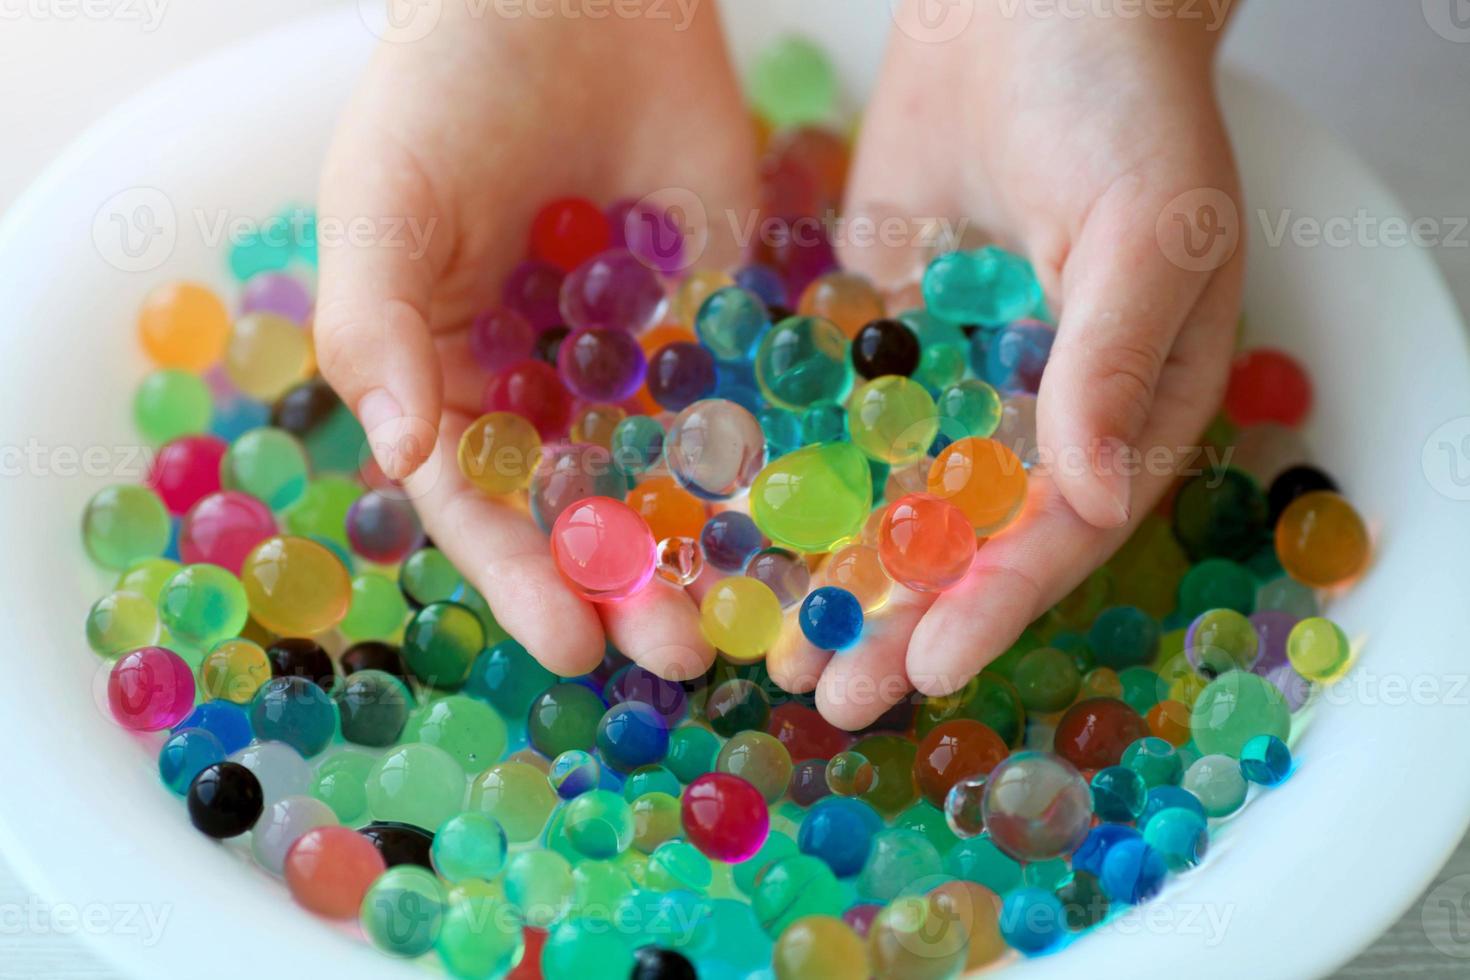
(1304, 878)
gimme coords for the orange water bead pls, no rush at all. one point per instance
(983, 478)
(1321, 540)
(953, 750)
(925, 543)
(1100, 682)
(975, 911)
(329, 870)
(594, 424)
(858, 569)
(184, 325)
(847, 299)
(1169, 720)
(670, 510)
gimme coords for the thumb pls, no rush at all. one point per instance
(372, 322)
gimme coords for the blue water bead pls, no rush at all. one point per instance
(236, 414)
(735, 388)
(1123, 636)
(1132, 872)
(977, 859)
(508, 677)
(296, 711)
(1162, 798)
(680, 374)
(1180, 836)
(632, 734)
(765, 282)
(1015, 356)
(1032, 921)
(730, 322)
(782, 428)
(985, 286)
(1118, 794)
(225, 720)
(839, 830)
(1101, 839)
(574, 772)
(185, 754)
(635, 683)
(831, 618)
(823, 422)
(1265, 760)
(729, 539)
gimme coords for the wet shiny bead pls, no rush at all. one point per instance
(441, 642)
(1094, 733)
(987, 286)
(1321, 541)
(183, 325)
(295, 711)
(121, 621)
(1265, 760)
(225, 800)
(802, 361)
(831, 618)
(1318, 649)
(330, 869)
(925, 543)
(812, 499)
(123, 524)
(679, 560)
(599, 824)
(632, 734)
(570, 474)
(169, 404)
(187, 752)
(612, 289)
(892, 419)
(858, 569)
(403, 910)
(603, 549)
(1132, 872)
(574, 772)
(819, 946)
(1234, 708)
(383, 529)
(1179, 836)
(737, 705)
(1222, 638)
(724, 816)
(760, 759)
(281, 825)
(1218, 783)
(267, 463)
(517, 795)
(222, 528)
(373, 706)
(984, 479)
(1267, 386)
(954, 750)
(715, 448)
(1033, 921)
(266, 355)
(415, 783)
(1118, 794)
(741, 617)
(680, 374)
(884, 347)
(534, 391)
(1015, 356)
(568, 231)
(963, 807)
(1036, 806)
(839, 830)
(601, 364)
(729, 539)
(499, 452)
(150, 689)
(968, 408)
(1220, 514)
(296, 586)
(564, 716)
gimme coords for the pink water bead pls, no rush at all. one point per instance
(186, 471)
(500, 338)
(613, 289)
(278, 293)
(603, 549)
(651, 233)
(725, 816)
(222, 528)
(533, 289)
(150, 689)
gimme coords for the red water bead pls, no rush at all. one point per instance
(187, 470)
(329, 870)
(725, 817)
(568, 232)
(1268, 385)
(529, 967)
(150, 689)
(955, 750)
(805, 733)
(223, 528)
(925, 543)
(534, 390)
(820, 153)
(1095, 731)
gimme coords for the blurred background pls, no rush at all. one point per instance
(1391, 78)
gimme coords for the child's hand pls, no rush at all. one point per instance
(1069, 140)
(468, 132)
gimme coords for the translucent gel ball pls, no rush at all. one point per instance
(500, 338)
(1036, 806)
(121, 621)
(612, 289)
(571, 474)
(1234, 708)
(329, 870)
(784, 571)
(498, 452)
(532, 390)
(892, 419)
(603, 549)
(989, 286)
(601, 364)
(680, 560)
(802, 361)
(267, 463)
(296, 586)
(469, 846)
(858, 569)
(222, 528)
(925, 543)
(403, 911)
(171, 403)
(150, 689)
(574, 772)
(203, 604)
(831, 618)
(715, 448)
(383, 529)
(741, 617)
(1321, 540)
(266, 355)
(680, 374)
(123, 524)
(812, 499)
(731, 322)
(984, 479)
(725, 817)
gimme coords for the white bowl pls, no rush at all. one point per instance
(1304, 878)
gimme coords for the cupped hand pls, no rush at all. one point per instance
(1094, 147)
(461, 137)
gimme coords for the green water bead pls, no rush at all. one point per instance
(650, 779)
(415, 783)
(656, 818)
(795, 887)
(321, 510)
(1217, 781)
(539, 884)
(678, 864)
(582, 947)
(470, 730)
(748, 873)
(1220, 514)
(598, 887)
(899, 862)
(928, 819)
(378, 609)
(987, 697)
(1288, 595)
(427, 576)
(203, 604)
(471, 599)
(599, 824)
(637, 444)
(940, 367)
(120, 622)
(1047, 679)
(1049, 875)
(564, 717)
(792, 83)
(508, 677)
(516, 794)
(1224, 634)
(441, 642)
(1234, 708)
(802, 361)
(968, 408)
(892, 419)
(1318, 649)
(469, 846)
(171, 403)
(148, 576)
(403, 910)
(978, 859)
(374, 707)
(987, 286)
(1217, 583)
(814, 498)
(1140, 688)
(892, 757)
(1156, 760)
(481, 936)
(267, 463)
(340, 781)
(123, 524)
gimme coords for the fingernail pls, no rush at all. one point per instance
(383, 422)
(1107, 466)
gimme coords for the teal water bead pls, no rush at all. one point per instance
(1118, 794)
(1234, 708)
(1220, 513)
(267, 463)
(1217, 583)
(599, 888)
(650, 779)
(1286, 594)
(403, 910)
(928, 819)
(1046, 679)
(900, 862)
(730, 322)
(415, 783)
(1123, 636)
(508, 677)
(1181, 836)
(123, 524)
(823, 422)
(967, 408)
(121, 621)
(978, 859)
(296, 711)
(564, 717)
(481, 936)
(377, 609)
(170, 403)
(374, 707)
(692, 752)
(748, 873)
(581, 947)
(940, 367)
(340, 781)
(987, 286)
(795, 887)
(469, 730)
(1265, 760)
(441, 642)
(1140, 688)
(203, 604)
(1218, 782)
(469, 846)
(677, 864)
(792, 83)
(427, 576)
(185, 754)
(782, 429)
(1155, 759)
(599, 824)
(802, 361)
(637, 444)
(540, 885)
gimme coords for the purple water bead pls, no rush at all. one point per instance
(680, 374)
(613, 289)
(635, 683)
(601, 364)
(1292, 685)
(1272, 627)
(533, 289)
(765, 282)
(649, 232)
(730, 539)
(278, 293)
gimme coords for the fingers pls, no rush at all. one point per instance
(371, 329)
(861, 683)
(1125, 304)
(659, 629)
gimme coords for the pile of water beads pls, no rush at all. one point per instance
(322, 679)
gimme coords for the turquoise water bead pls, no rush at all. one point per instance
(469, 730)
(1156, 760)
(1118, 793)
(187, 751)
(295, 711)
(121, 621)
(1179, 836)
(968, 408)
(508, 677)
(1123, 636)
(692, 752)
(469, 846)
(1218, 782)
(730, 322)
(579, 947)
(795, 887)
(650, 779)
(823, 422)
(269, 464)
(802, 361)
(540, 885)
(599, 824)
(988, 286)
(123, 524)
(1234, 708)
(599, 887)
(979, 860)
(417, 784)
(574, 772)
(637, 444)
(1265, 760)
(1032, 921)
(677, 864)
(900, 862)
(403, 911)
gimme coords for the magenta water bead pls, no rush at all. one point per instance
(186, 471)
(150, 689)
(533, 289)
(222, 528)
(278, 293)
(383, 528)
(612, 289)
(651, 233)
(603, 549)
(501, 338)
(601, 364)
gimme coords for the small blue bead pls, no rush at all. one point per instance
(632, 734)
(1265, 760)
(1133, 872)
(764, 281)
(831, 618)
(1161, 798)
(1118, 794)
(1033, 921)
(225, 720)
(185, 754)
(1099, 841)
(839, 830)
(1179, 835)
(1016, 356)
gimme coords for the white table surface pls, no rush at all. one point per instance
(1390, 77)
